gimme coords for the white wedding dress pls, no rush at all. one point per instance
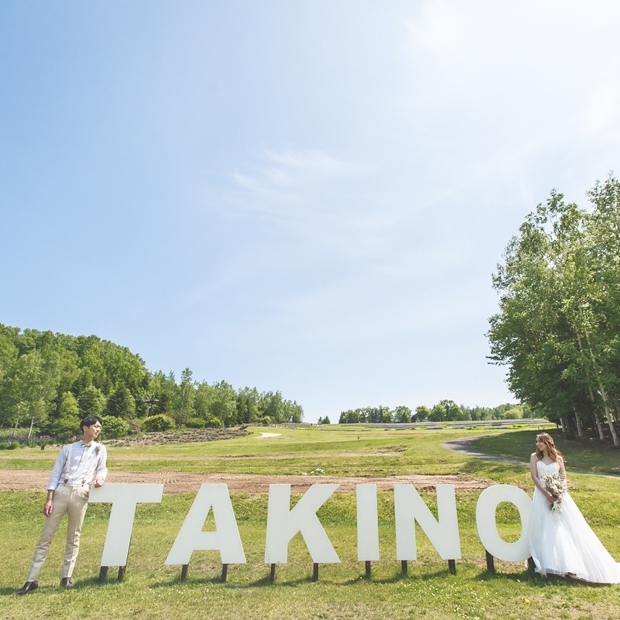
(562, 542)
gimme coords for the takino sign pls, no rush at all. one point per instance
(284, 522)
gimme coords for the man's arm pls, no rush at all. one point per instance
(48, 507)
(54, 481)
(101, 471)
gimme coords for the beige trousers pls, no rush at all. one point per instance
(73, 502)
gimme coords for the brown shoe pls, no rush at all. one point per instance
(29, 586)
(66, 582)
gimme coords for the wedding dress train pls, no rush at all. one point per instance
(562, 542)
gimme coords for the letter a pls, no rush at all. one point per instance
(224, 539)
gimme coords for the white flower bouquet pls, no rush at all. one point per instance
(556, 487)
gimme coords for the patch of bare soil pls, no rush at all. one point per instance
(182, 482)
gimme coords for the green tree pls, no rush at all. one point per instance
(186, 394)
(121, 403)
(223, 403)
(248, 400)
(294, 411)
(402, 414)
(28, 389)
(422, 413)
(8, 350)
(558, 326)
(91, 401)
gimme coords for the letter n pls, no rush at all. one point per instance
(443, 532)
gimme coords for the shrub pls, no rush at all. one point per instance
(213, 422)
(114, 427)
(195, 423)
(158, 422)
(135, 426)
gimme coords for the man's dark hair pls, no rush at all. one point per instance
(89, 420)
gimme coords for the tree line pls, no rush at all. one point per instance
(49, 381)
(558, 325)
(443, 411)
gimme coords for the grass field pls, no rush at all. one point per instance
(153, 591)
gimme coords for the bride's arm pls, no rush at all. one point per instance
(562, 471)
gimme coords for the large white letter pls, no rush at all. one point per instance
(283, 524)
(487, 526)
(124, 499)
(442, 533)
(225, 538)
(367, 523)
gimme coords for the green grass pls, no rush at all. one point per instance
(340, 451)
(584, 455)
(153, 591)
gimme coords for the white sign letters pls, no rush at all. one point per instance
(283, 522)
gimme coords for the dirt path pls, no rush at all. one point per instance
(181, 482)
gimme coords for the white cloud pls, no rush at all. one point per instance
(304, 168)
(311, 162)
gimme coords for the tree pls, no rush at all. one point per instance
(184, 409)
(216, 404)
(402, 414)
(91, 401)
(67, 424)
(28, 389)
(38, 370)
(248, 405)
(452, 411)
(422, 413)
(121, 403)
(558, 326)
(351, 416)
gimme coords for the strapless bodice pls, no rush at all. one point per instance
(544, 469)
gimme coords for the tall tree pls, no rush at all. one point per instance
(557, 329)
(28, 389)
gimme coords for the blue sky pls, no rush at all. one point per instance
(304, 196)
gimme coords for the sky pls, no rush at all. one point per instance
(306, 196)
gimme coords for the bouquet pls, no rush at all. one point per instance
(556, 487)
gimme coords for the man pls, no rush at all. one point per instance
(78, 466)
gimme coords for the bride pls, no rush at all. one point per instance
(561, 541)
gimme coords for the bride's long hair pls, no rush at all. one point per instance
(551, 449)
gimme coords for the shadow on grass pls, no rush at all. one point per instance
(536, 581)
(483, 468)
(262, 582)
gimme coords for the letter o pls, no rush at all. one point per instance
(487, 526)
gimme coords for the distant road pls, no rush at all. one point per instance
(464, 446)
